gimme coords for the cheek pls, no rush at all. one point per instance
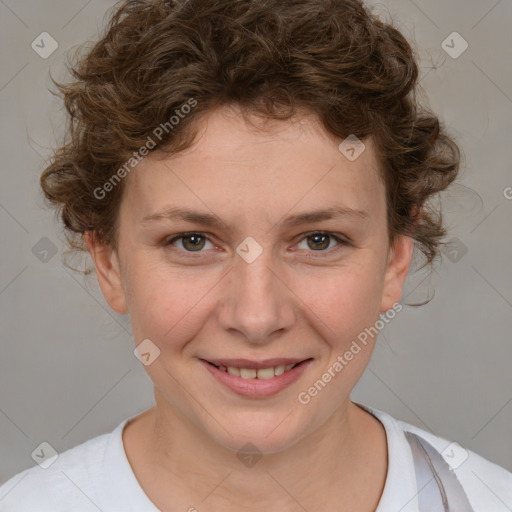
(168, 306)
(343, 300)
(342, 308)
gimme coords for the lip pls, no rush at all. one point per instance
(257, 388)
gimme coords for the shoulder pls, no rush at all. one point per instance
(70, 478)
(487, 485)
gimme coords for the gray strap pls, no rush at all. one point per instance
(439, 490)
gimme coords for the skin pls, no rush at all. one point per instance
(302, 297)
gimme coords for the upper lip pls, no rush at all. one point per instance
(256, 365)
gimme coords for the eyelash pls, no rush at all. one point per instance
(192, 254)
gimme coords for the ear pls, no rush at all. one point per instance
(399, 261)
(106, 263)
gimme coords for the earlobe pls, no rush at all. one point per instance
(399, 262)
(106, 263)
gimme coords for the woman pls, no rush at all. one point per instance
(250, 180)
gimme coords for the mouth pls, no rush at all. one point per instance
(263, 370)
(256, 378)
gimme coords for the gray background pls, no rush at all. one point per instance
(67, 370)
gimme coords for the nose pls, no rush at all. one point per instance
(257, 301)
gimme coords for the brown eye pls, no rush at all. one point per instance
(322, 242)
(319, 241)
(190, 242)
(193, 242)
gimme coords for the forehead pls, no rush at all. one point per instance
(257, 164)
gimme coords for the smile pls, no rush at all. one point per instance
(262, 373)
(256, 379)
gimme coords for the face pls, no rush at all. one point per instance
(218, 263)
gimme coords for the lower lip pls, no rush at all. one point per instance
(257, 388)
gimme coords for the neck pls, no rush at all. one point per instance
(344, 461)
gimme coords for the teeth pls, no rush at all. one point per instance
(265, 373)
(262, 373)
(279, 370)
(247, 373)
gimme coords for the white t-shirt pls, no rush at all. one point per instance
(96, 476)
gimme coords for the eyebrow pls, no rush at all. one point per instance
(207, 219)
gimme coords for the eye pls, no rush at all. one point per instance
(190, 242)
(320, 241)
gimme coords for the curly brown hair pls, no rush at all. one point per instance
(273, 58)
